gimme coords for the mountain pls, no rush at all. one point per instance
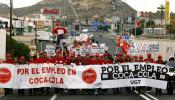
(4, 10)
(85, 8)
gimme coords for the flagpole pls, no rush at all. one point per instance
(117, 48)
(115, 54)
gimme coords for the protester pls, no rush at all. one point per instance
(136, 58)
(9, 59)
(118, 58)
(86, 60)
(141, 58)
(22, 61)
(40, 59)
(171, 63)
(32, 61)
(59, 32)
(159, 61)
(149, 59)
(58, 58)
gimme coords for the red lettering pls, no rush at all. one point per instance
(35, 71)
(23, 71)
(18, 71)
(48, 80)
(71, 71)
(31, 80)
(51, 11)
(53, 70)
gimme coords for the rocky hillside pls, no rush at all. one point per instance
(88, 8)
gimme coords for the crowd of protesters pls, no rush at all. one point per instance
(66, 58)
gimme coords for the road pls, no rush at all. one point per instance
(120, 96)
(107, 38)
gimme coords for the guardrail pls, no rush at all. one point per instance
(157, 36)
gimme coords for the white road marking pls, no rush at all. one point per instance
(143, 96)
(53, 97)
(151, 96)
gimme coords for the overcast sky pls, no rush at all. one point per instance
(149, 5)
(139, 5)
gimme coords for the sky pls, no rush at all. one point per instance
(149, 5)
(139, 5)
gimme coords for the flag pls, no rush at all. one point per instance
(138, 24)
(123, 44)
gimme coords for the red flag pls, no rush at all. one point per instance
(138, 23)
(123, 44)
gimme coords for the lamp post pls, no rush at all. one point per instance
(70, 1)
(115, 5)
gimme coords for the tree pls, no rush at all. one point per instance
(171, 27)
(161, 12)
(139, 31)
(150, 24)
(17, 49)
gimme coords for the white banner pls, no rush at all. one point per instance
(89, 50)
(80, 77)
(50, 75)
(134, 74)
(144, 48)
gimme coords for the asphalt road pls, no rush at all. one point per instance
(107, 38)
(108, 97)
(133, 95)
(26, 97)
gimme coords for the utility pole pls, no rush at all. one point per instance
(36, 28)
(64, 12)
(11, 17)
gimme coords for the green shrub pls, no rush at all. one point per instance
(17, 49)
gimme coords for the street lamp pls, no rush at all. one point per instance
(70, 1)
(114, 7)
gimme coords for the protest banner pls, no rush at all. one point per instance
(89, 50)
(83, 77)
(134, 74)
(50, 75)
(50, 50)
(144, 48)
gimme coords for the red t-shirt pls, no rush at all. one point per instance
(39, 60)
(150, 60)
(57, 60)
(107, 62)
(9, 61)
(160, 62)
